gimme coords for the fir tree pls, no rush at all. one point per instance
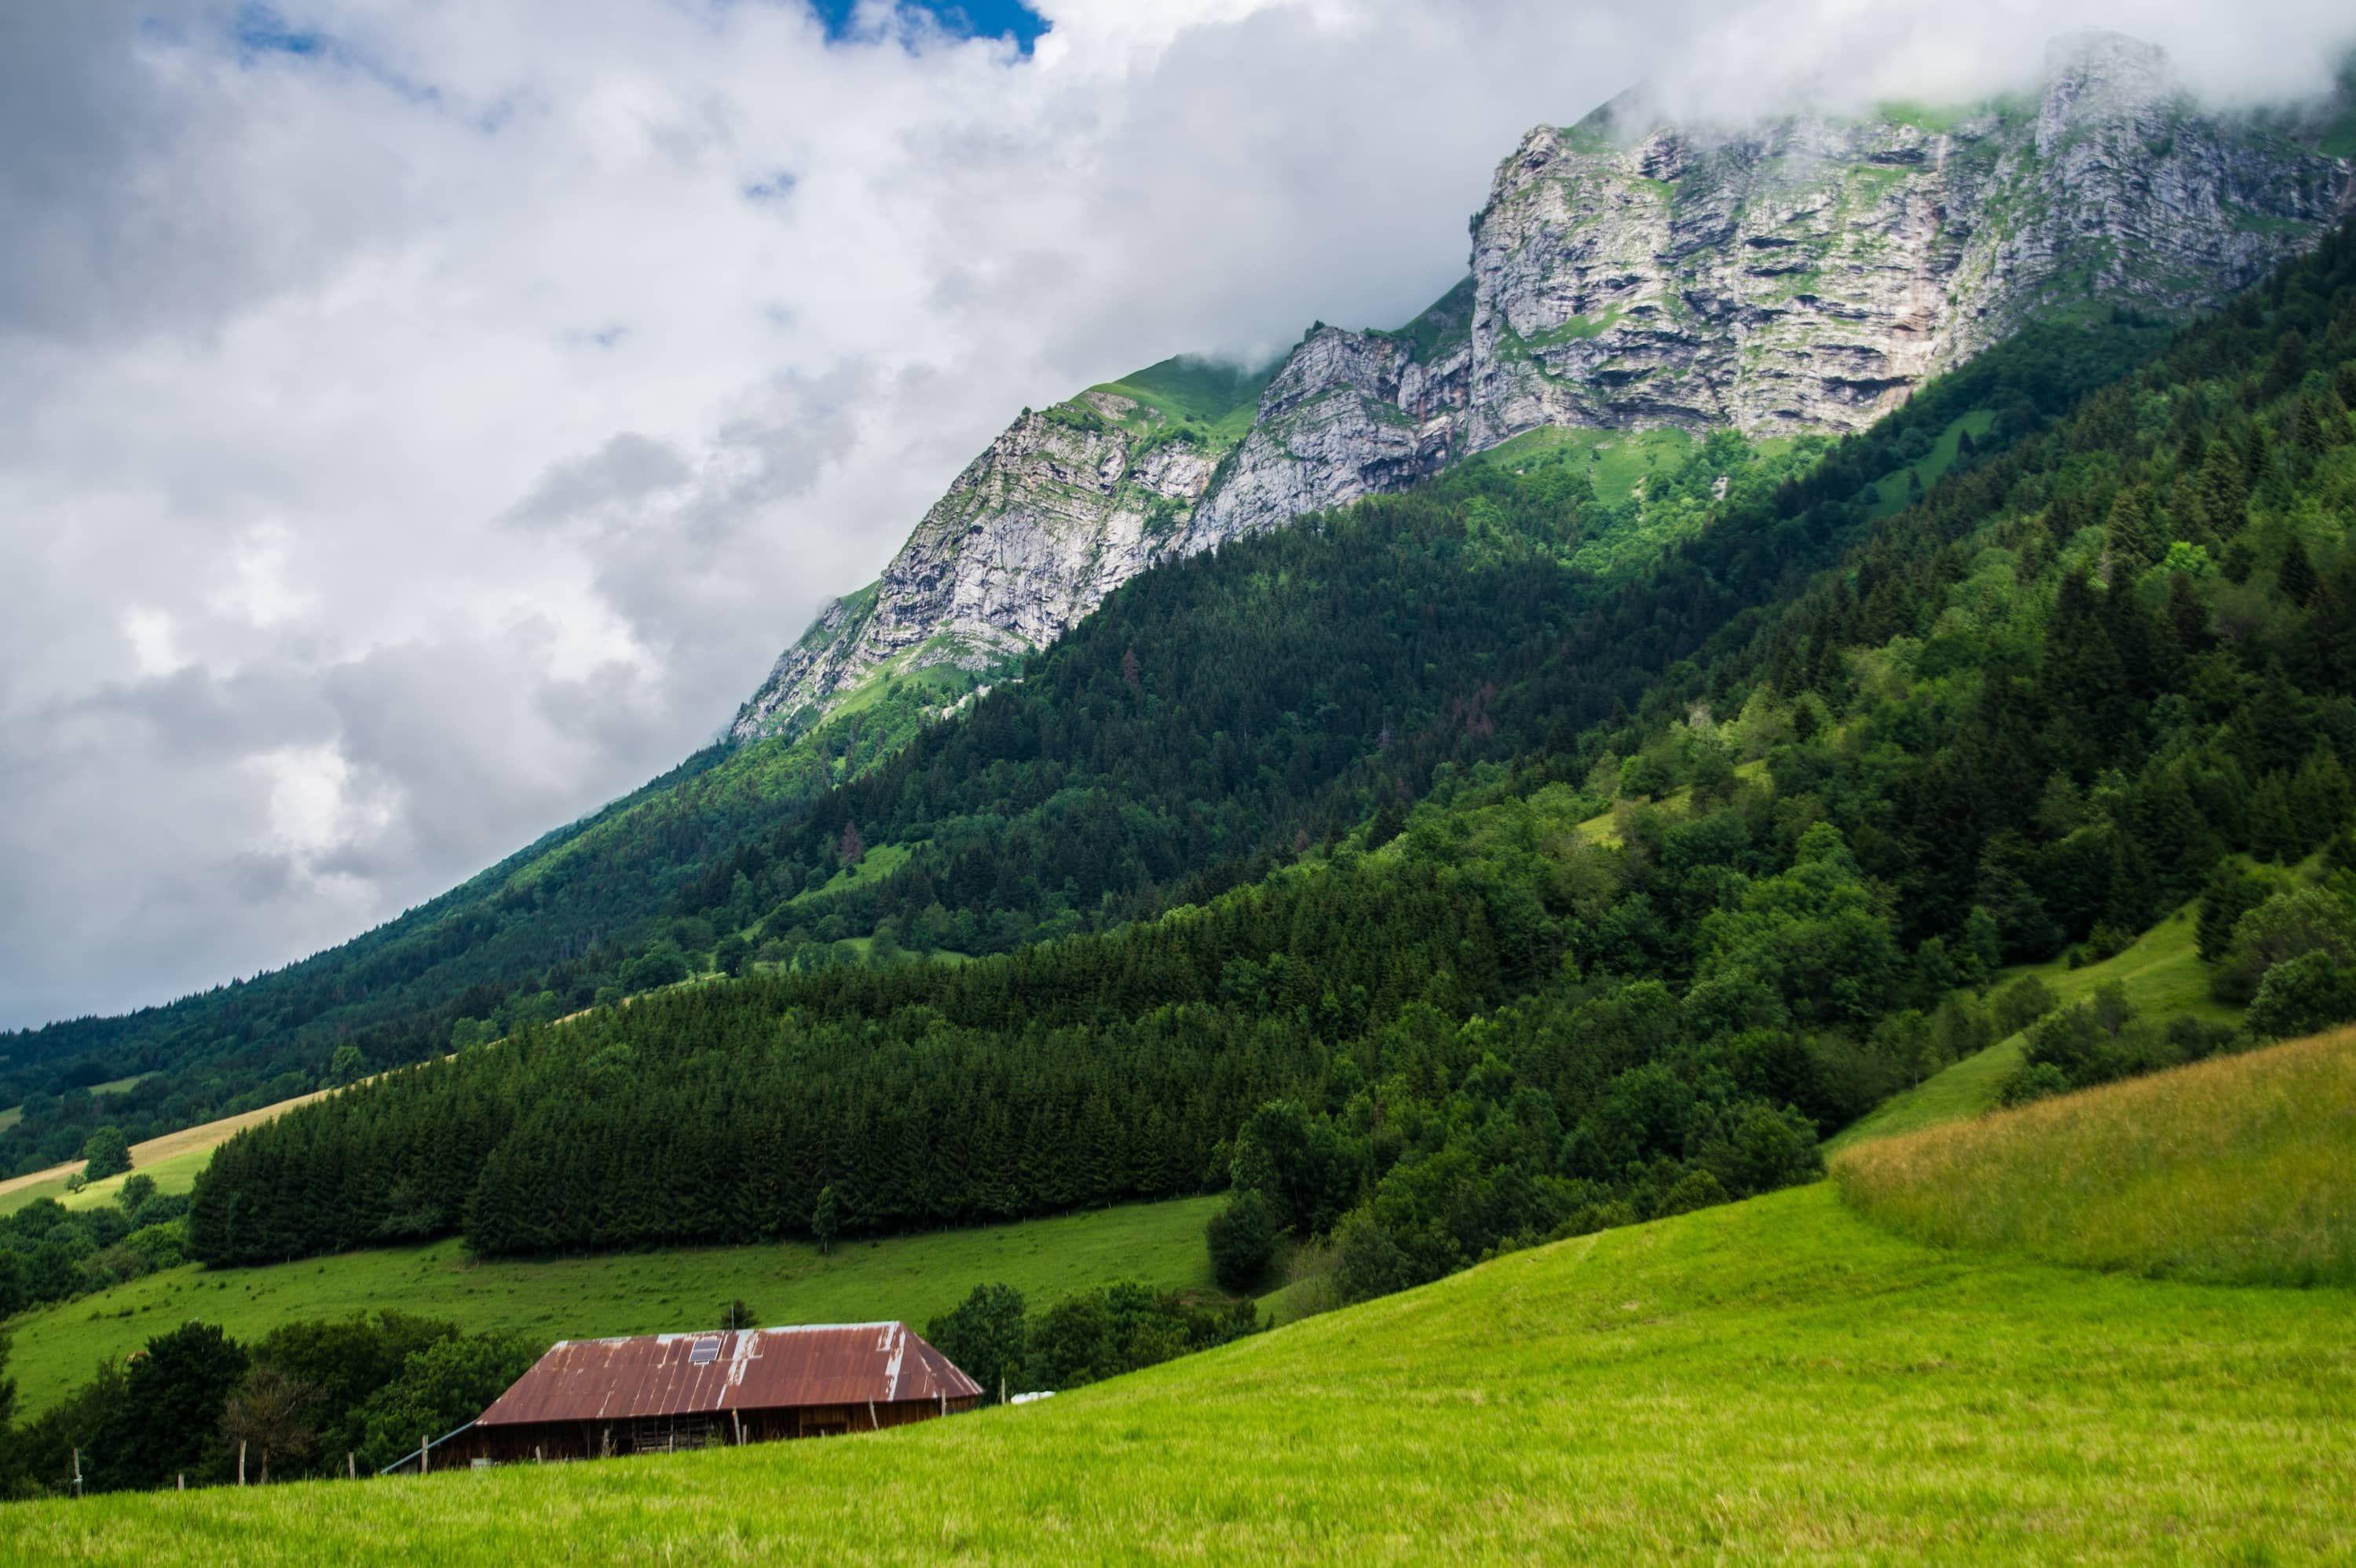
(2297, 575)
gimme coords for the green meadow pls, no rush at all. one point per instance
(2238, 1169)
(907, 1278)
(1770, 1380)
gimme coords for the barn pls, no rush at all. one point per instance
(659, 1393)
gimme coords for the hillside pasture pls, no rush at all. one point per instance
(2238, 1169)
(1766, 1381)
(909, 1277)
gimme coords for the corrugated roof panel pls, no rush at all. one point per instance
(756, 1368)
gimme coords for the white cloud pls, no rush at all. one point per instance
(412, 443)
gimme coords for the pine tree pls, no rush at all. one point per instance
(826, 1218)
(2274, 833)
(2297, 575)
(2134, 544)
(2187, 613)
(2321, 800)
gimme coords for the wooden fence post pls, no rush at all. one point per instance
(424, 1453)
(351, 1465)
(240, 1461)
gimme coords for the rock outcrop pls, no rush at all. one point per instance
(1802, 275)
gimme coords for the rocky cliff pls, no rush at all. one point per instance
(1799, 275)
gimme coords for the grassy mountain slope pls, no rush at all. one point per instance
(910, 1277)
(2239, 1170)
(1776, 1378)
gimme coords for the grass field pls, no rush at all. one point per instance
(1618, 461)
(910, 1277)
(2239, 1170)
(2163, 976)
(15, 1113)
(1932, 466)
(173, 1160)
(1765, 1381)
(1604, 827)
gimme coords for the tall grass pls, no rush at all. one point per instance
(2238, 1170)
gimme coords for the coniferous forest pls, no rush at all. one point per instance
(1511, 902)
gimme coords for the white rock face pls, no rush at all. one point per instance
(1798, 276)
(1806, 275)
(1059, 511)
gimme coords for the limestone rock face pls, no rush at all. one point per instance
(1349, 414)
(1801, 275)
(1806, 274)
(1063, 507)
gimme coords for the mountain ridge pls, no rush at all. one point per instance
(1800, 275)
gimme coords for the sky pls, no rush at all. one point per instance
(422, 421)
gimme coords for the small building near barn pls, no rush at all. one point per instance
(659, 1393)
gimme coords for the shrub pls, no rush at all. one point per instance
(2301, 995)
(986, 1336)
(1243, 1242)
(2015, 1007)
(108, 1152)
(2288, 925)
(1367, 1262)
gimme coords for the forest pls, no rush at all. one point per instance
(1751, 840)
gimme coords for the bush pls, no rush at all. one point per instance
(108, 1152)
(2288, 925)
(1123, 1327)
(1243, 1242)
(986, 1336)
(2015, 1007)
(1366, 1262)
(447, 1383)
(2301, 995)
(2038, 1081)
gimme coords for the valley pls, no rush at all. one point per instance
(1703, 905)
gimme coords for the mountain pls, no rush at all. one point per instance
(1703, 867)
(1663, 324)
(1799, 276)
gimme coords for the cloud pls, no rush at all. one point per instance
(423, 423)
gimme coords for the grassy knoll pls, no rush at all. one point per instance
(2239, 1169)
(1772, 1379)
(173, 1160)
(2163, 976)
(1604, 828)
(911, 1277)
(1618, 461)
(1931, 467)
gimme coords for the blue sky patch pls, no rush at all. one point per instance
(776, 188)
(261, 31)
(962, 18)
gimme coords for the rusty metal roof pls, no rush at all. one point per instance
(751, 1369)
